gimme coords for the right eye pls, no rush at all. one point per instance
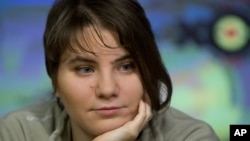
(84, 70)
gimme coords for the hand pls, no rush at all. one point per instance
(131, 129)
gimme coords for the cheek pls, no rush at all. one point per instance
(75, 95)
(134, 85)
(70, 87)
(133, 90)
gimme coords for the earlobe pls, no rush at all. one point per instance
(57, 94)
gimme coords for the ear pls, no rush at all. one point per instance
(57, 94)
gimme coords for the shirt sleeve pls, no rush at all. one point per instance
(11, 129)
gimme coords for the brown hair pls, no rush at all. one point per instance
(128, 18)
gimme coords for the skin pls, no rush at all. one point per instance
(102, 91)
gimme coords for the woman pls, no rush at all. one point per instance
(108, 79)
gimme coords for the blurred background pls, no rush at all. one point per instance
(204, 45)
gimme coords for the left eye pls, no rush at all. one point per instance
(127, 67)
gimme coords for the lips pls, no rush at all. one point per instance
(108, 111)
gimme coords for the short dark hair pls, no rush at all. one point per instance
(129, 20)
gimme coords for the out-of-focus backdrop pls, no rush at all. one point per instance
(204, 45)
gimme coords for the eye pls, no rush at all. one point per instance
(84, 69)
(127, 67)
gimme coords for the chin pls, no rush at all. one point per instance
(110, 124)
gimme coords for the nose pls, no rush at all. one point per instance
(107, 86)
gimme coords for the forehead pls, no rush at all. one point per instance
(97, 36)
(95, 40)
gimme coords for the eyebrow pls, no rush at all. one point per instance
(79, 58)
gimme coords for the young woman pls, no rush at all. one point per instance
(108, 78)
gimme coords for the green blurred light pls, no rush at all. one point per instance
(231, 33)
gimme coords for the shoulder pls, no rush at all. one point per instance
(24, 122)
(177, 125)
(37, 111)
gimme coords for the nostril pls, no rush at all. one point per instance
(107, 90)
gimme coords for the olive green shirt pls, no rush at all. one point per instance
(48, 122)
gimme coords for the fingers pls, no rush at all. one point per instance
(147, 103)
(146, 99)
(131, 129)
(144, 114)
(148, 109)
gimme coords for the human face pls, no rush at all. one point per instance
(101, 90)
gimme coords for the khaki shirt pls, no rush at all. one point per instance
(48, 122)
